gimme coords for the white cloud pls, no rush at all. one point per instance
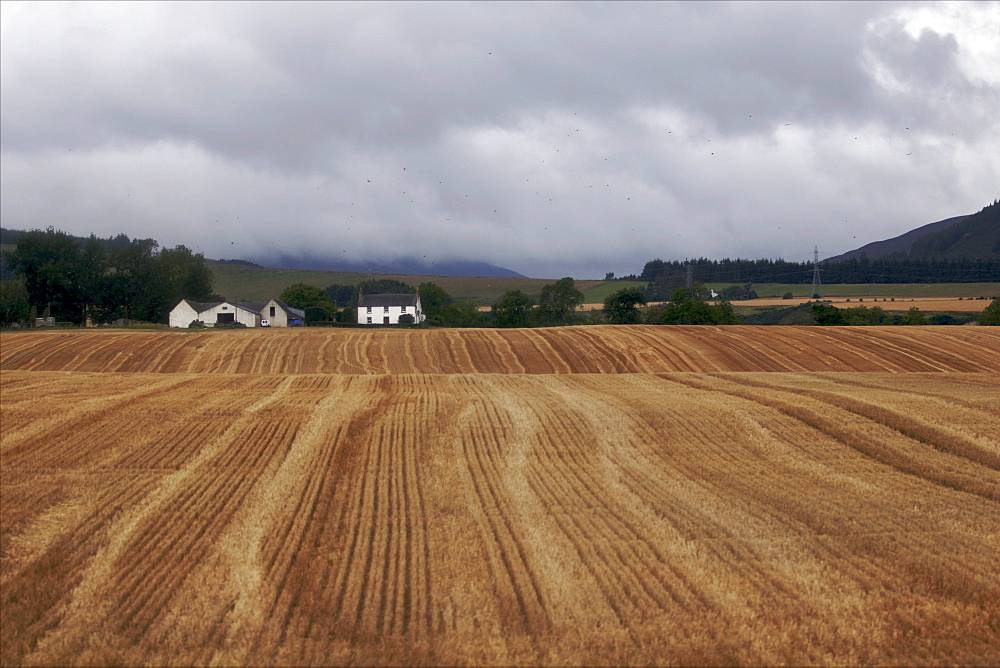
(976, 26)
(570, 138)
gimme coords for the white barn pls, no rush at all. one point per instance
(386, 309)
(272, 313)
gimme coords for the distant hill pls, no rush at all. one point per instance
(970, 237)
(975, 237)
(400, 266)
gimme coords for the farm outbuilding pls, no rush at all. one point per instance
(272, 313)
(387, 309)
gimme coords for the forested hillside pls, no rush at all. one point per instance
(975, 237)
(971, 237)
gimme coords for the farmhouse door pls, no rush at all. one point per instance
(385, 320)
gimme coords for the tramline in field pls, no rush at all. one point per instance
(555, 350)
(607, 495)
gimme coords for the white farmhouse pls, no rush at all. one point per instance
(272, 313)
(386, 309)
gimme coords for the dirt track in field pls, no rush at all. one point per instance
(587, 496)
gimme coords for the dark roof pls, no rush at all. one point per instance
(200, 306)
(256, 307)
(387, 300)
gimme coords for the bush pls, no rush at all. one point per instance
(864, 315)
(787, 295)
(196, 324)
(914, 317)
(406, 319)
(686, 308)
(991, 314)
(827, 314)
(318, 314)
(460, 314)
(230, 325)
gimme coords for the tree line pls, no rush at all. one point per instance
(68, 279)
(664, 277)
(102, 280)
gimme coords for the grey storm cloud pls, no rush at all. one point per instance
(553, 138)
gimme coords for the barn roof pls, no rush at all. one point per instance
(288, 309)
(200, 306)
(387, 300)
(255, 307)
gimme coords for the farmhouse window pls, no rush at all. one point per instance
(402, 309)
(369, 319)
(369, 310)
(272, 311)
(386, 309)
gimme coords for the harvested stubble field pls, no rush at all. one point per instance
(577, 495)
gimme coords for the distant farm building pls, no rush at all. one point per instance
(387, 309)
(273, 313)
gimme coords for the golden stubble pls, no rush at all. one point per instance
(583, 501)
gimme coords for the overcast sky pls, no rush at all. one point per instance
(554, 139)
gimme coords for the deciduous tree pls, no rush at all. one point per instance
(305, 296)
(558, 301)
(47, 261)
(433, 298)
(513, 309)
(621, 307)
(14, 304)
